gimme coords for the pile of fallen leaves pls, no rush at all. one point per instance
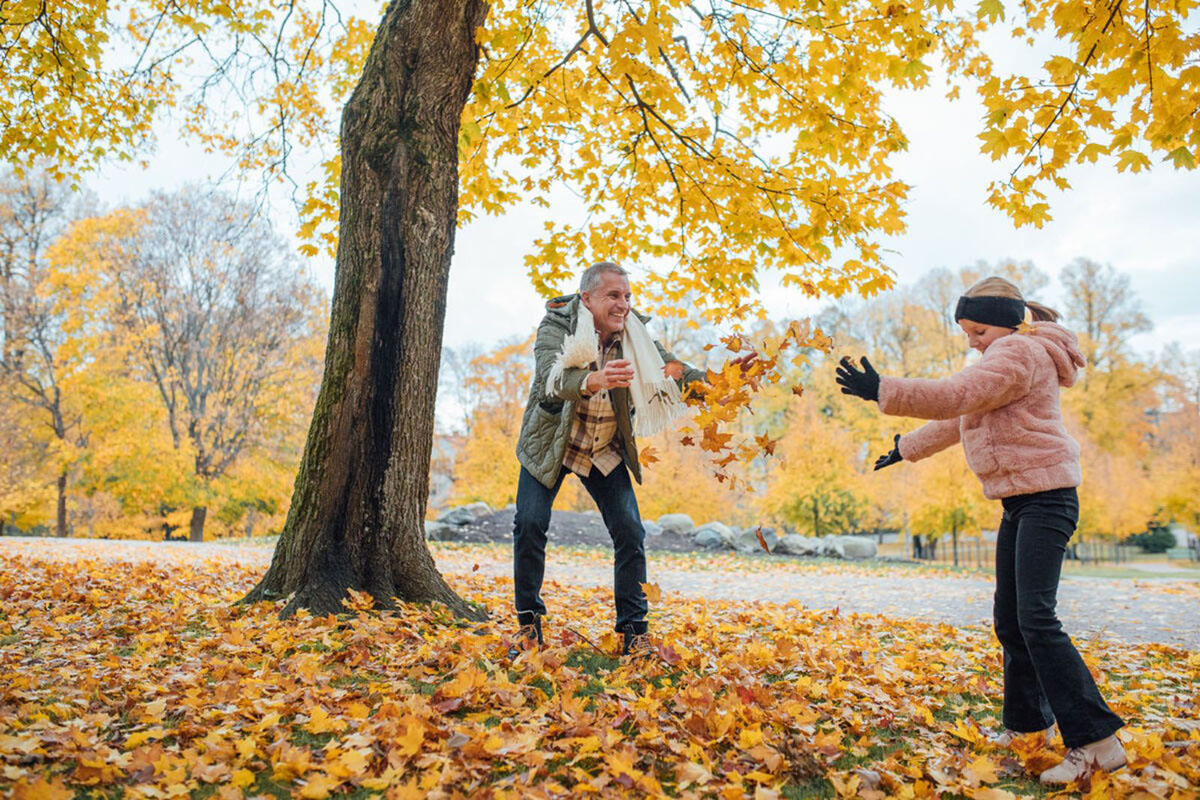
(141, 676)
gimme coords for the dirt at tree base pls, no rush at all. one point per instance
(567, 529)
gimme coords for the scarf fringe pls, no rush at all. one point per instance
(578, 350)
(657, 401)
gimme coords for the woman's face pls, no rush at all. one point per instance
(981, 336)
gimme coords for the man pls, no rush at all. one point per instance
(590, 382)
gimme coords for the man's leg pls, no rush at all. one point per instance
(618, 506)
(530, 524)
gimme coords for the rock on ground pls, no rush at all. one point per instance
(676, 523)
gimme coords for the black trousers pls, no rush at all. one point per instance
(618, 506)
(1045, 678)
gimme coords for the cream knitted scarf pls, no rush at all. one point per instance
(656, 398)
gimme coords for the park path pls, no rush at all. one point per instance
(1137, 611)
(1127, 610)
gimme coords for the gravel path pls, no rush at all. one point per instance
(1141, 611)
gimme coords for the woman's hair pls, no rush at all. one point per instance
(996, 286)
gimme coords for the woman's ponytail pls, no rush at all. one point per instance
(1041, 313)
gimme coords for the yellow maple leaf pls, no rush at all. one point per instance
(652, 591)
(982, 770)
(319, 787)
(647, 456)
(989, 793)
(409, 743)
(320, 721)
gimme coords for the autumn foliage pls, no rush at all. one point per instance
(129, 669)
(156, 363)
(755, 452)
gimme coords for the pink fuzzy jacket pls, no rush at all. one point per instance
(1004, 410)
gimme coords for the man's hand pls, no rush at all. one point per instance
(673, 370)
(615, 375)
(745, 362)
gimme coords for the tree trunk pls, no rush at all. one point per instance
(357, 512)
(60, 519)
(196, 529)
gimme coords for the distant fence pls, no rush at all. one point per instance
(979, 553)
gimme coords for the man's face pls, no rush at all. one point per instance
(609, 301)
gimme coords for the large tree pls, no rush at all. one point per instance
(356, 515)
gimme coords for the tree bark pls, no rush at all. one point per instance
(356, 518)
(196, 529)
(60, 519)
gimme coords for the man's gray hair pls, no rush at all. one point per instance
(591, 275)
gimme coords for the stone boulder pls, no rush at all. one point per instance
(677, 523)
(439, 531)
(746, 540)
(709, 539)
(652, 528)
(829, 547)
(720, 529)
(793, 544)
(858, 547)
(465, 515)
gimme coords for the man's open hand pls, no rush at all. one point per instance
(745, 362)
(615, 375)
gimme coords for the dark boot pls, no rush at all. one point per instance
(636, 644)
(529, 634)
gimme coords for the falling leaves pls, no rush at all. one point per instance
(761, 541)
(647, 456)
(652, 591)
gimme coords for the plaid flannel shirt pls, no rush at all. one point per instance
(592, 442)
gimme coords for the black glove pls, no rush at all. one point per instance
(864, 384)
(888, 459)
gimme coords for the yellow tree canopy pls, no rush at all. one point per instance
(715, 141)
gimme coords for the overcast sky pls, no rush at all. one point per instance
(1146, 225)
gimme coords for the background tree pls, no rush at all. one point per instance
(35, 371)
(24, 491)
(206, 301)
(1100, 303)
(817, 485)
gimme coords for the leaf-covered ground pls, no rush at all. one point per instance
(139, 676)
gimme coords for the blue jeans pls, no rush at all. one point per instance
(614, 497)
(1045, 679)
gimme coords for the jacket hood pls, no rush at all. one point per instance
(1062, 346)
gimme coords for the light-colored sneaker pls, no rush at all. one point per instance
(1006, 737)
(1105, 755)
